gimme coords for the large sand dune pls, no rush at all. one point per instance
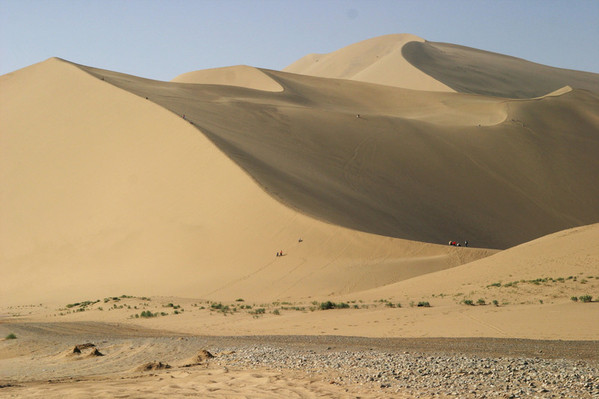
(417, 165)
(104, 192)
(101, 175)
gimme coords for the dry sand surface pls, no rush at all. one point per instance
(140, 223)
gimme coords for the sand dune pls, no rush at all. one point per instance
(468, 70)
(240, 75)
(570, 253)
(109, 193)
(415, 165)
(378, 60)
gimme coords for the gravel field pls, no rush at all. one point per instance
(427, 375)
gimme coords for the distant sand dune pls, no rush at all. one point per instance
(469, 70)
(378, 60)
(240, 75)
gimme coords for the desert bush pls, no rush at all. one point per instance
(331, 305)
(574, 298)
(481, 302)
(11, 336)
(147, 314)
(494, 285)
(276, 312)
(468, 302)
(424, 304)
(585, 298)
(495, 302)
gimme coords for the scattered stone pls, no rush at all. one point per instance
(153, 366)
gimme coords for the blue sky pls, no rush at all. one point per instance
(162, 39)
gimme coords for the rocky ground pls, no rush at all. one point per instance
(426, 375)
(42, 358)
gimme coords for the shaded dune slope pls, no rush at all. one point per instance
(415, 165)
(468, 70)
(106, 193)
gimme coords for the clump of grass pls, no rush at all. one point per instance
(494, 285)
(468, 302)
(585, 298)
(424, 304)
(481, 302)
(393, 305)
(11, 336)
(239, 300)
(331, 305)
(495, 302)
(276, 312)
(574, 298)
(147, 314)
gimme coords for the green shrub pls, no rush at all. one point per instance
(11, 336)
(276, 312)
(481, 302)
(147, 313)
(585, 298)
(494, 285)
(495, 302)
(468, 302)
(574, 298)
(423, 304)
(331, 305)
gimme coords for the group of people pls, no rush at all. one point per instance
(457, 244)
(280, 253)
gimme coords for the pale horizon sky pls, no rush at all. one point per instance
(159, 39)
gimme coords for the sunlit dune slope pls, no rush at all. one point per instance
(468, 70)
(569, 253)
(106, 193)
(418, 165)
(240, 75)
(377, 60)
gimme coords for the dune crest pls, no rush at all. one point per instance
(378, 60)
(558, 92)
(239, 75)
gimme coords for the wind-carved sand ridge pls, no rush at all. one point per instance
(181, 194)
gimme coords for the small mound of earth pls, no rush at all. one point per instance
(78, 348)
(202, 357)
(153, 366)
(95, 353)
